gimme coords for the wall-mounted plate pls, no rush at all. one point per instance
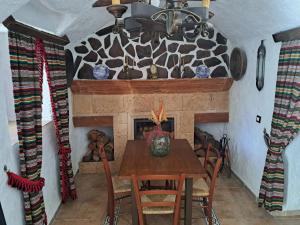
(238, 63)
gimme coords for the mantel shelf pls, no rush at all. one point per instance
(118, 87)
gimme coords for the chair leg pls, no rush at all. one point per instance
(111, 214)
(209, 212)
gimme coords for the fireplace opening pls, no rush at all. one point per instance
(145, 125)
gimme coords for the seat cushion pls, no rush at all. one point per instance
(121, 186)
(158, 209)
(200, 188)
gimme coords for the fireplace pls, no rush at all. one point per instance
(142, 125)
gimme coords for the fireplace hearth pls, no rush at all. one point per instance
(142, 125)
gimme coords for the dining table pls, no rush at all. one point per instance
(138, 160)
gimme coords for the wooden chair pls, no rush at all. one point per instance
(159, 201)
(116, 188)
(203, 189)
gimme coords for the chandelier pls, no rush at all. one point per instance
(170, 17)
(182, 18)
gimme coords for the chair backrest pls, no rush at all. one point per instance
(212, 167)
(179, 179)
(110, 187)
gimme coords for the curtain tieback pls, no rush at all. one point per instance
(24, 184)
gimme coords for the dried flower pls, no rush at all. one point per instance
(160, 116)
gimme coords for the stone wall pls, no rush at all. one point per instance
(104, 47)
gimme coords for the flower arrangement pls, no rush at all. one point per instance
(157, 118)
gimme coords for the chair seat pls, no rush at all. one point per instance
(158, 209)
(200, 188)
(121, 186)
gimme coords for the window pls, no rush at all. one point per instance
(46, 106)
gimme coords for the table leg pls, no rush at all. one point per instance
(188, 201)
(134, 212)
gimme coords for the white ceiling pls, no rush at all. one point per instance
(236, 19)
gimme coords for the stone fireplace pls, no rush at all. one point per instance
(125, 102)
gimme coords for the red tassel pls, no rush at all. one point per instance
(24, 184)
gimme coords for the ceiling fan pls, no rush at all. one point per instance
(164, 16)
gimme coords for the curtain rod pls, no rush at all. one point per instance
(13, 25)
(289, 35)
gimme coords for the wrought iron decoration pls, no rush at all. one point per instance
(260, 67)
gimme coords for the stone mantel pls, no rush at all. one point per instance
(187, 101)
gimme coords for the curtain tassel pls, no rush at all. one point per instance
(24, 184)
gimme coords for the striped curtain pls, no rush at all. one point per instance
(285, 125)
(54, 57)
(27, 94)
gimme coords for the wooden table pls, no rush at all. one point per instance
(138, 160)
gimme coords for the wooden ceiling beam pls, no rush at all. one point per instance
(13, 25)
(289, 35)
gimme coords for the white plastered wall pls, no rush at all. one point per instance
(248, 150)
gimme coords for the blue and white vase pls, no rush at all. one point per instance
(202, 71)
(100, 72)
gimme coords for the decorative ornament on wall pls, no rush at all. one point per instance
(238, 63)
(260, 66)
(101, 72)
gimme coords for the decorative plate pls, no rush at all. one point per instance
(202, 71)
(100, 72)
(238, 63)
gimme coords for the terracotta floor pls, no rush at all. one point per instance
(233, 204)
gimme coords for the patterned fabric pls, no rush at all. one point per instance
(285, 125)
(28, 101)
(56, 74)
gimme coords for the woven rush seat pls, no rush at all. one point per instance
(121, 186)
(159, 201)
(200, 188)
(158, 209)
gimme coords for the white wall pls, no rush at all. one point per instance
(11, 199)
(247, 146)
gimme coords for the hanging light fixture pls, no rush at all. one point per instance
(117, 10)
(182, 17)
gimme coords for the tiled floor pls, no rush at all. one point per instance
(233, 204)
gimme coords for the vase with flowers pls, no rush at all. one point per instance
(158, 139)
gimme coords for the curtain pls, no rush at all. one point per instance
(54, 58)
(27, 56)
(285, 125)
(2, 219)
(27, 94)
